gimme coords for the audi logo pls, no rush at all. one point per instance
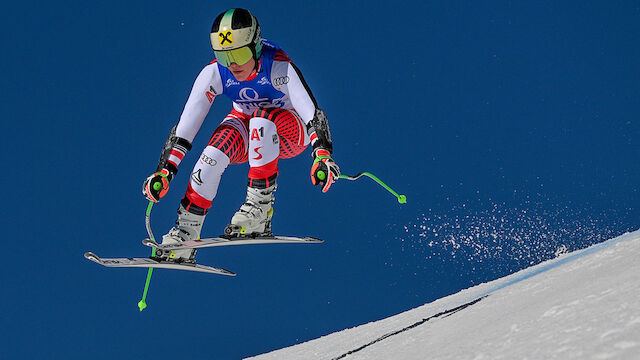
(281, 80)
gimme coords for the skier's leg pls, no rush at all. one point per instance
(226, 145)
(254, 215)
(291, 130)
(273, 133)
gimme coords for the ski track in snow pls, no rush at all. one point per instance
(582, 305)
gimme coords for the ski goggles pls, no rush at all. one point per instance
(239, 56)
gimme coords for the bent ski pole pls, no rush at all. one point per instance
(147, 220)
(401, 198)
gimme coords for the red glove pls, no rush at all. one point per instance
(324, 170)
(157, 185)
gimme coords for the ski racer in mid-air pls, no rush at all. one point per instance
(274, 116)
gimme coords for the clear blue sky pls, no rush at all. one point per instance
(512, 128)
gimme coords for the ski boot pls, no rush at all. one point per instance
(188, 228)
(254, 216)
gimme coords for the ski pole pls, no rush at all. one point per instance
(402, 199)
(147, 220)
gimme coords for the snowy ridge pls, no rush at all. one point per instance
(581, 305)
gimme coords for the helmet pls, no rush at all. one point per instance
(235, 37)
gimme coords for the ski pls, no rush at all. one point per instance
(153, 263)
(220, 241)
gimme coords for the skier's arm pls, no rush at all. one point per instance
(291, 82)
(324, 170)
(205, 88)
(178, 143)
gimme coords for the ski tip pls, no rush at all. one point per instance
(91, 256)
(229, 273)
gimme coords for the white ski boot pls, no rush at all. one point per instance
(188, 228)
(254, 216)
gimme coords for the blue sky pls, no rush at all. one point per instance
(512, 128)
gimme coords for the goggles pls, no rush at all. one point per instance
(239, 56)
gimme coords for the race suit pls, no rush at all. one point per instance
(270, 117)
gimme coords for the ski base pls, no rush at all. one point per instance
(224, 241)
(153, 263)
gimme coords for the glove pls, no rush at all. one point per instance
(324, 170)
(157, 185)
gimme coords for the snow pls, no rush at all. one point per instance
(580, 305)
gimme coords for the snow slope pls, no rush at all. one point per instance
(582, 305)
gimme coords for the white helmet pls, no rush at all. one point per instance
(235, 37)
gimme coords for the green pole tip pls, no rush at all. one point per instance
(402, 199)
(157, 186)
(142, 305)
(321, 175)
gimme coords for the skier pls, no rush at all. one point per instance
(274, 116)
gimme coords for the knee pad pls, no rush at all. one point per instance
(207, 172)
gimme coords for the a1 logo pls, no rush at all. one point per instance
(255, 135)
